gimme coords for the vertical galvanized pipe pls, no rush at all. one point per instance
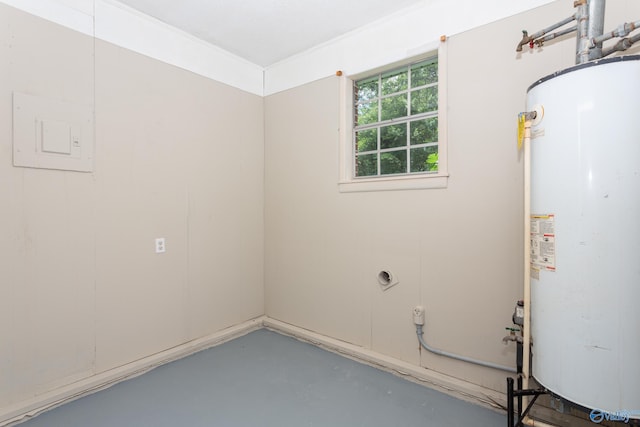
(595, 26)
(582, 31)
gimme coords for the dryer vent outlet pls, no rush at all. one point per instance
(387, 279)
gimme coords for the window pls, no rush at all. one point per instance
(396, 122)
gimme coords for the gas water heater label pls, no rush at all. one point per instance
(543, 242)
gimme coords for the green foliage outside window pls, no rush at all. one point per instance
(396, 121)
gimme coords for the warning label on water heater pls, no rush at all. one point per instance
(543, 242)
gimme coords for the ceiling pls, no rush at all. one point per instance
(267, 31)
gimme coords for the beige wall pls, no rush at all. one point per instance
(457, 251)
(177, 156)
(236, 183)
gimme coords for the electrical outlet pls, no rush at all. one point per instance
(418, 315)
(160, 245)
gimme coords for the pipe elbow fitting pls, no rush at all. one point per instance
(525, 40)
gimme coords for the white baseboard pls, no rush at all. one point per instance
(452, 386)
(24, 410)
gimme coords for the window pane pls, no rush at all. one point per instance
(424, 159)
(394, 81)
(367, 113)
(396, 121)
(394, 106)
(366, 90)
(367, 140)
(423, 131)
(424, 73)
(367, 165)
(393, 136)
(424, 100)
(393, 162)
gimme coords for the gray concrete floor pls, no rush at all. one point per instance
(267, 379)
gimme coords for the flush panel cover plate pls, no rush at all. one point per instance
(52, 134)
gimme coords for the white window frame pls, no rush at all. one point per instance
(347, 181)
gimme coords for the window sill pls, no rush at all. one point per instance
(393, 184)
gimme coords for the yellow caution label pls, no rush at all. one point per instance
(521, 122)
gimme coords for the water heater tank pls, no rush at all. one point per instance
(585, 234)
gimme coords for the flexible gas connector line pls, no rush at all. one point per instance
(457, 356)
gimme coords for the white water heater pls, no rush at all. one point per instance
(585, 234)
